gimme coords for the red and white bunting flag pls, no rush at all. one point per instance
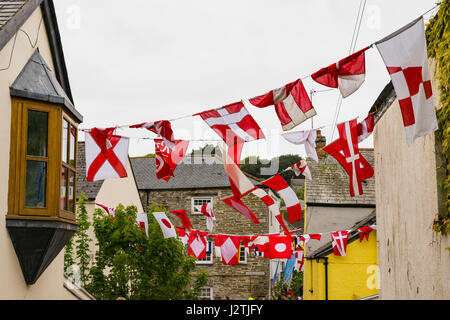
(365, 127)
(307, 138)
(279, 247)
(292, 104)
(364, 232)
(182, 234)
(207, 210)
(300, 255)
(162, 128)
(240, 184)
(233, 123)
(239, 206)
(273, 207)
(167, 227)
(229, 248)
(142, 220)
(348, 74)
(108, 210)
(404, 53)
(301, 167)
(106, 154)
(293, 206)
(166, 159)
(309, 236)
(339, 242)
(345, 151)
(183, 217)
(197, 244)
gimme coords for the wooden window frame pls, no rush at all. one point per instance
(18, 158)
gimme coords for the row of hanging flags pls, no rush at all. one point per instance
(405, 56)
(228, 247)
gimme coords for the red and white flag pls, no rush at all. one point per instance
(292, 104)
(239, 206)
(167, 227)
(339, 242)
(233, 123)
(348, 74)
(166, 159)
(300, 255)
(309, 236)
(301, 167)
(162, 128)
(293, 206)
(142, 220)
(229, 248)
(197, 244)
(207, 210)
(404, 53)
(307, 138)
(106, 154)
(345, 151)
(182, 234)
(273, 207)
(183, 217)
(279, 247)
(365, 231)
(108, 210)
(365, 127)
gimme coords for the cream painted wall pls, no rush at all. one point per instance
(412, 257)
(12, 283)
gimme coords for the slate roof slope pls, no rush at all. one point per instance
(90, 188)
(330, 183)
(191, 173)
(8, 9)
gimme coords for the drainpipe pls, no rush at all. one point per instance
(325, 263)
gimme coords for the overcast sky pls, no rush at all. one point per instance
(137, 61)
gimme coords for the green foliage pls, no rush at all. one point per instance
(279, 291)
(207, 150)
(68, 258)
(133, 266)
(252, 165)
(438, 46)
(82, 239)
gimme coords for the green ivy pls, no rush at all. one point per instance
(438, 44)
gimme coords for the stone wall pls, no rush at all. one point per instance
(236, 282)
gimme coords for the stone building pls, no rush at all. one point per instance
(202, 180)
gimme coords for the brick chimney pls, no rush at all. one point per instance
(321, 142)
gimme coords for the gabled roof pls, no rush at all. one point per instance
(330, 183)
(191, 173)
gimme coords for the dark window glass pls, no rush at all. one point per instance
(71, 191)
(35, 187)
(63, 198)
(37, 133)
(65, 137)
(72, 145)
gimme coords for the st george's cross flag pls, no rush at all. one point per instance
(106, 154)
(239, 206)
(301, 167)
(183, 217)
(339, 242)
(345, 150)
(292, 104)
(162, 128)
(229, 248)
(167, 227)
(365, 127)
(197, 244)
(404, 53)
(233, 123)
(365, 231)
(110, 211)
(305, 137)
(166, 159)
(347, 74)
(142, 221)
(293, 206)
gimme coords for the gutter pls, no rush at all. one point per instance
(340, 205)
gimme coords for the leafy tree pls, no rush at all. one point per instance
(252, 165)
(131, 265)
(82, 239)
(280, 290)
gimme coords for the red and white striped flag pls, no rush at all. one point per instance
(365, 127)
(301, 167)
(348, 74)
(162, 128)
(404, 53)
(293, 206)
(292, 104)
(307, 237)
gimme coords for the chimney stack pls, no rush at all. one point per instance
(321, 142)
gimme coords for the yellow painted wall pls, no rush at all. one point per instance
(354, 276)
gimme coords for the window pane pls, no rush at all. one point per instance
(65, 137)
(71, 191)
(37, 133)
(72, 145)
(62, 198)
(35, 184)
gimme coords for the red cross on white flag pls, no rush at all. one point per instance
(339, 242)
(106, 154)
(345, 150)
(404, 53)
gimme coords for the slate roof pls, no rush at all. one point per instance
(330, 183)
(8, 9)
(191, 173)
(90, 188)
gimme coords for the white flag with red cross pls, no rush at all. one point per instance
(166, 225)
(339, 241)
(404, 53)
(106, 154)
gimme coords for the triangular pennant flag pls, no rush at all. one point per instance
(167, 227)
